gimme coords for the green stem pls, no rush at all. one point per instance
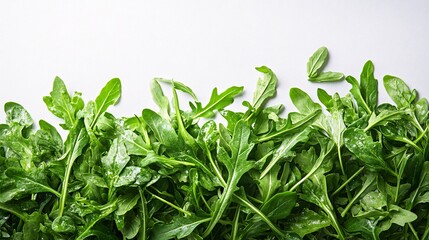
(426, 232)
(234, 230)
(169, 204)
(248, 204)
(398, 184)
(22, 216)
(295, 128)
(348, 180)
(181, 127)
(144, 217)
(215, 167)
(334, 223)
(220, 207)
(261, 214)
(65, 186)
(416, 236)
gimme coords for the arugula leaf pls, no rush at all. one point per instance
(160, 99)
(265, 89)
(217, 102)
(237, 164)
(62, 105)
(350, 168)
(180, 227)
(366, 150)
(317, 61)
(108, 96)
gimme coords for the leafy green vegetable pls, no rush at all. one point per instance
(315, 65)
(348, 168)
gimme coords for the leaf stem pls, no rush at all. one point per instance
(248, 204)
(169, 204)
(413, 231)
(234, 230)
(65, 186)
(348, 180)
(20, 215)
(144, 215)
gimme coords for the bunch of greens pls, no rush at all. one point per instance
(347, 168)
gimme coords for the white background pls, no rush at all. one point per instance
(203, 44)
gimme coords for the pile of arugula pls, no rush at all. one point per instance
(348, 169)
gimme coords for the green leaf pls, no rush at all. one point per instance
(217, 102)
(31, 228)
(367, 227)
(127, 202)
(62, 105)
(422, 110)
(179, 86)
(15, 113)
(269, 183)
(265, 89)
(327, 77)
(398, 91)
(134, 144)
(384, 117)
(160, 99)
(307, 222)
(180, 227)
(369, 85)
(115, 160)
(279, 206)
(237, 164)
(76, 141)
(366, 150)
(317, 61)
(108, 96)
(63, 224)
(285, 147)
(303, 102)
(31, 182)
(132, 176)
(401, 216)
(357, 95)
(315, 191)
(161, 128)
(132, 224)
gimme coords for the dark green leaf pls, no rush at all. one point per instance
(369, 85)
(398, 91)
(279, 206)
(366, 150)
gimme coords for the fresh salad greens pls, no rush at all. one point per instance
(345, 167)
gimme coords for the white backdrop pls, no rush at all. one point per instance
(203, 44)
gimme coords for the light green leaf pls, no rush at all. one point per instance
(317, 61)
(217, 102)
(302, 101)
(327, 77)
(108, 96)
